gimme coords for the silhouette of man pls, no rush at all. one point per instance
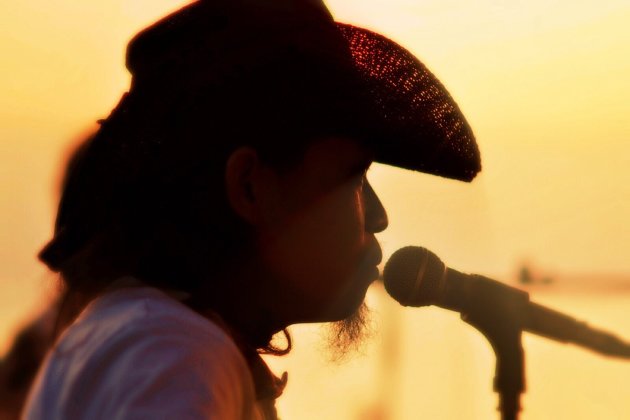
(225, 198)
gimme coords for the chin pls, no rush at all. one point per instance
(346, 307)
(349, 303)
(343, 303)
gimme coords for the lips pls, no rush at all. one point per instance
(371, 261)
(375, 256)
(375, 274)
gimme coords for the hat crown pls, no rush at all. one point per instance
(209, 40)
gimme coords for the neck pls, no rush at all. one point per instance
(242, 300)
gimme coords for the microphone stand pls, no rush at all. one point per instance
(501, 322)
(502, 313)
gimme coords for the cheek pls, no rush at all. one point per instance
(336, 227)
(319, 247)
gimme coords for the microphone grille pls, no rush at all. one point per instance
(414, 276)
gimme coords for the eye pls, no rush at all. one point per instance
(360, 179)
(358, 176)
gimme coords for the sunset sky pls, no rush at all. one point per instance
(545, 85)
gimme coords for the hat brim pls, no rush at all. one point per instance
(424, 129)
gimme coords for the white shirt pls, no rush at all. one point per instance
(136, 353)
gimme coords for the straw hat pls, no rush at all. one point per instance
(209, 41)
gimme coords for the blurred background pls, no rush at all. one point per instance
(544, 85)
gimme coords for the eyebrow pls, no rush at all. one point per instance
(361, 165)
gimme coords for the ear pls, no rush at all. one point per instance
(242, 170)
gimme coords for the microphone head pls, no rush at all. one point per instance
(414, 276)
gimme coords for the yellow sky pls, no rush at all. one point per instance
(543, 83)
(545, 86)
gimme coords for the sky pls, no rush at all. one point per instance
(544, 85)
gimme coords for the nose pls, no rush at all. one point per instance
(375, 214)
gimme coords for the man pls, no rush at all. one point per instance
(225, 198)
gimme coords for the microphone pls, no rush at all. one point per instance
(415, 276)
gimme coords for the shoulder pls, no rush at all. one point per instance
(134, 320)
(139, 353)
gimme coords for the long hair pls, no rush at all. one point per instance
(153, 214)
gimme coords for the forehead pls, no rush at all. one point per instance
(327, 164)
(337, 156)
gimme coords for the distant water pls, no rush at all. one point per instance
(577, 283)
(428, 364)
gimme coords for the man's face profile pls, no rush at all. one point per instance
(314, 226)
